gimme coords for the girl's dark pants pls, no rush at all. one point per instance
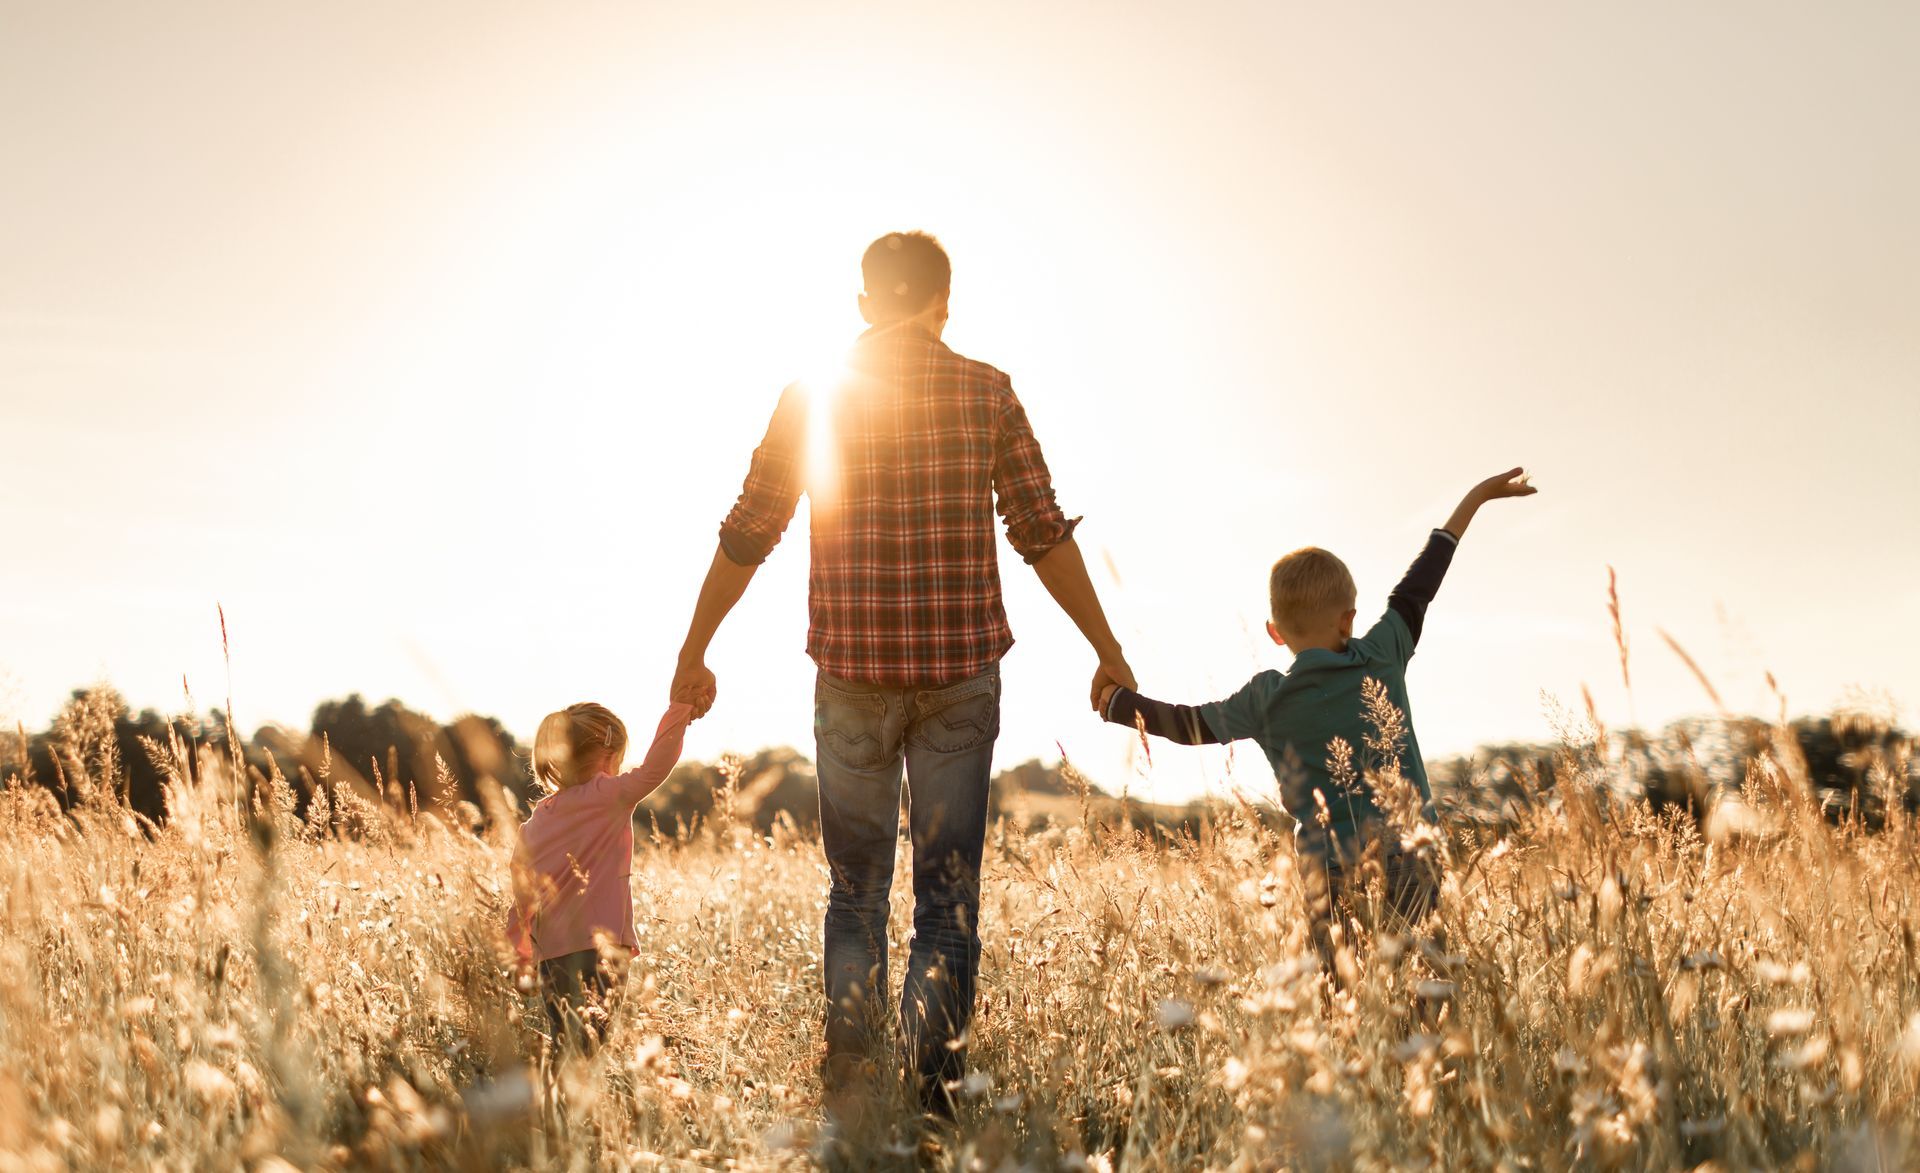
(577, 989)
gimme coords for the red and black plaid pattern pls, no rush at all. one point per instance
(905, 460)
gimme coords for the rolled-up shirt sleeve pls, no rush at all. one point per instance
(772, 489)
(1022, 486)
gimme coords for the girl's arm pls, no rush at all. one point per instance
(520, 911)
(634, 785)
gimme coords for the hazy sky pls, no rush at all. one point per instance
(432, 339)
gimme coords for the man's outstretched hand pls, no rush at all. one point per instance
(1109, 674)
(694, 684)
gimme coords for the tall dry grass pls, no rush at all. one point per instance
(1600, 988)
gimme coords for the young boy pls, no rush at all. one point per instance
(1313, 721)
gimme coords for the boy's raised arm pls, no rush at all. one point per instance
(1422, 580)
(1512, 483)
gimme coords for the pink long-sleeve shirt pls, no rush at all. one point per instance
(572, 869)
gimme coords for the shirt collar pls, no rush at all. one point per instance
(898, 330)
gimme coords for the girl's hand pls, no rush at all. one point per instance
(694, 684)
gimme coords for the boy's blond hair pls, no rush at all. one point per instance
(570, 737)
(1308, 587)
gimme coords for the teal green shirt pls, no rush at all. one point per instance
(1296, 715)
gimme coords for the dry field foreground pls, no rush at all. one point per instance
(1600, 989)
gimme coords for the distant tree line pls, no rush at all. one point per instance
(1855, 765)
(385, 753)
(392, 756)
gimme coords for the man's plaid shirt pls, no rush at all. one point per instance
(903, 467)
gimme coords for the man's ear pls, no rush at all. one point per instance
(941, 301)
(1346, 623)
(866, 310)
(1274, 632)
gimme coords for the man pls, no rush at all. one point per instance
(903, 457)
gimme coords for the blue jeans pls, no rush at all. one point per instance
(944, 736)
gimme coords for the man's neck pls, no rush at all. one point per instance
(925, 323)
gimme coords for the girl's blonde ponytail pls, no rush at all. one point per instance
(572, 736)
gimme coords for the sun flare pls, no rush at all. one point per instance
(825, 388)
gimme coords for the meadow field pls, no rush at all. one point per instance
(269, 982)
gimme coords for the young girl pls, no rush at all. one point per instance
(570, 873)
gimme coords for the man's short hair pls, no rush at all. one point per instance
(1307, 587)
(904, 272)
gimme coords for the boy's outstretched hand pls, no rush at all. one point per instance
(1515, 482)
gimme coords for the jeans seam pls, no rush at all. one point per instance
(953, 694)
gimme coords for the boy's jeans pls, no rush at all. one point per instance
(1337, 892)
(944, 735)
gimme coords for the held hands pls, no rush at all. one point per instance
(694, 684)
(1112, 673)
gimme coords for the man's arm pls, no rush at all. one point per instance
(752, 529)
(1042, 534)
(1064, 573)
(693, 682)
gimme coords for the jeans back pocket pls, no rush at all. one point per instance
(851, 727)
(958, 717)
